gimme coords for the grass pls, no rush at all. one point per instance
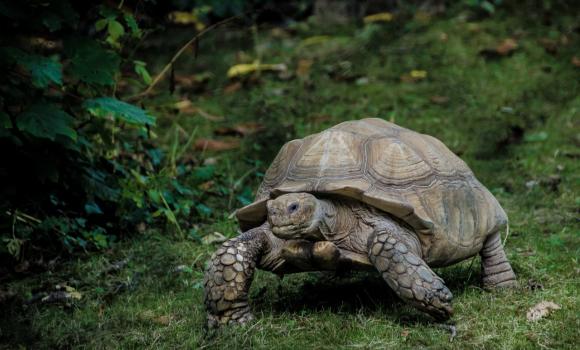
(514, 119)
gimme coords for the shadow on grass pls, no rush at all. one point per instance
(356, 292)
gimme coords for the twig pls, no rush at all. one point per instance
(179, 53)
(507, 233)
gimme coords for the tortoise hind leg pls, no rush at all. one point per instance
(398, 260)
(495, 267)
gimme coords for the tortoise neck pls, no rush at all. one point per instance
(336, 219)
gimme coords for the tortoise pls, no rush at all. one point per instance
(362, 195)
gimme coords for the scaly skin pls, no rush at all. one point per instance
(231, 269)
(229, 275)
(495, 268)
(400, 264)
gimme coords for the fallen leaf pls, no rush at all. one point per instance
(414, 76)
(378, 17)
(186, 107)
(206, 186)
(551, 46)
(438, 99)
(73, 293)
(279, 33)
(233, 87)
(242, 129)
(314, 40)
(185, 18)
(303, 68)
(576, 61)
(418, 74)
(216, 145)
(193, 82)
(163, 320)
(541, 310)
(507, 46)
(215, 237)
(243, 69)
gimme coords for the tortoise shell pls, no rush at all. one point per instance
(409, 175)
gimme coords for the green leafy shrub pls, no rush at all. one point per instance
(79, 168)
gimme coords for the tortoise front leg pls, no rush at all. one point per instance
(392, 252)
(229, 275)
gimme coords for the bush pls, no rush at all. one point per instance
(79, 166)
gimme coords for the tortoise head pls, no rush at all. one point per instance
(295, 216)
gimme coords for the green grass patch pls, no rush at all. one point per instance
(513, 119)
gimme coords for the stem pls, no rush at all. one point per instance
(179, 53)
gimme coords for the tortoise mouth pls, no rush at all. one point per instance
(287, 231)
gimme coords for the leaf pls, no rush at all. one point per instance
(46, 121)
(303, 68)
(439, 99)
(101, 24)
(418, 74)
(92, 208)
(541, 310)
(115, 30)
(104, 107)
(379, 17)
(141, 70)
(91, 63)
(43, 70)
(133, 26)
(215, 237)
(239, 70)
(507, 46)
(488, 6)
(204, 173)
(186, 18)
(242, 129)
(536, 137)
(314, 41)
(216, 145)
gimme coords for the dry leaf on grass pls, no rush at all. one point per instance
(242, 129)
(215, 237)
(242, 69)
(576, 61)
(163, 320)
(414, 76)
(233, 87)
(541, 310)
(216, 145)
(186, 107)
(303, 68)
(505, 48)
(439, 100)
(378, 17)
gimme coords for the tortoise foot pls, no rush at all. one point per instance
(495, 267)
(231, 317)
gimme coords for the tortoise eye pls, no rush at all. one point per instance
(292, 207)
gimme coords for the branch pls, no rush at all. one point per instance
(179, 53)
